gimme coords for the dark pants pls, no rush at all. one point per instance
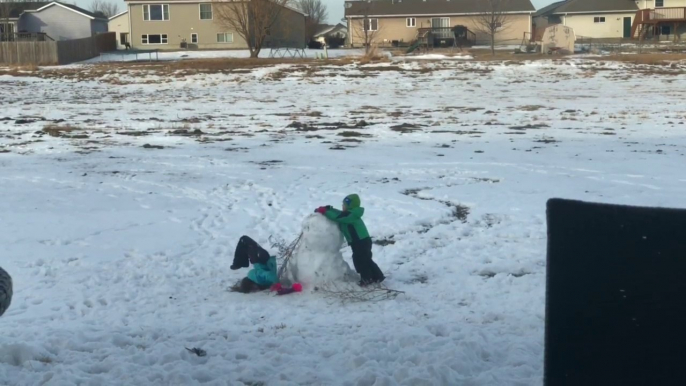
(248, 251)
(364, 265)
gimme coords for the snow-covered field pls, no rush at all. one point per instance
(124, 192)
(127, 56)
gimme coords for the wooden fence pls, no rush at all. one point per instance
(54, 53)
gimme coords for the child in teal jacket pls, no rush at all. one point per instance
(264, 273)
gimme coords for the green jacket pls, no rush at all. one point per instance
(264, 274)
(350, 222)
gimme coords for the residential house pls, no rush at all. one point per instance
(327, 30)
(119, 24)
(401, 21)
(605, 19)
(660, 19)
(540, 19)
(175, 24)
(62, 21)
(11, 12)
(617, 19)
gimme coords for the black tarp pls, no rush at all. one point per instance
(615, 295)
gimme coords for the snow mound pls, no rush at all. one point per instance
(18, 354)
(317, 259)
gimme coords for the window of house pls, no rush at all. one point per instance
(194, 38)
(225, 37)
(659, 3)
(371, 24)
(205, 11)
(411, 22)
(154, 39)
(599, 19)
(155, 12)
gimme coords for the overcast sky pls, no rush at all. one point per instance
(335, 7)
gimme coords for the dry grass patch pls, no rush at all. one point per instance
(657, 59)
(18, 71)
(530, 108)
(507, 55)
(349, 134)
(55, 130)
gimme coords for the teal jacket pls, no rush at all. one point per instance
(264, 274)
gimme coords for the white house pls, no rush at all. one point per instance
(326, 30)
(119, 24)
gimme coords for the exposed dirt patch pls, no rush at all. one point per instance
(406, 128)
(186, 132)
(353, 134)
(316, 126)
(59, 130)
(418, 279)
(459, 132)
(458, 212)
(384, 242)
(136, 133)
(530, 108)
(149, 146)
(268, 163)
(237, 149)
(536, 126)
(547, 140)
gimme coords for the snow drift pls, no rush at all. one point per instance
(317, 258)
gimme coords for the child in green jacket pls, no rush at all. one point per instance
(264, 273)
(355, 231)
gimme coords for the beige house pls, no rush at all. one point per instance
(398, 22)
(176, 24)
(119, 24)
(615, 19)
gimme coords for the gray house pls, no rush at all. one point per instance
(60, 21)
(10, 12)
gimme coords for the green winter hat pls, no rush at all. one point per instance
(352, 201)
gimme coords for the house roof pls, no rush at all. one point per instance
(323, 29)
(16, 9)
(73, 8)
(95, 15)
(591, 6)
(551, 7)
(119, 14)
(428, 7)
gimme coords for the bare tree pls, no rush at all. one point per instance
(366, 28)
(492, 19)
(316, 14)
(108, 9)
(251, 19)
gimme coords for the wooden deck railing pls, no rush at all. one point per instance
(25, 37)
(664, 14)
